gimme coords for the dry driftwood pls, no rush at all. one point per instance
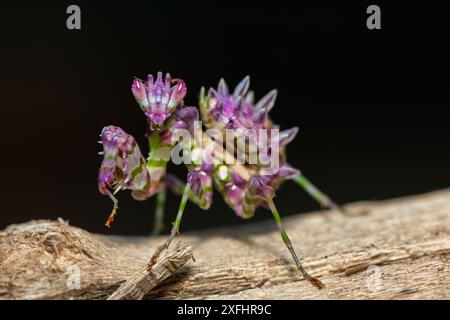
(394, 249)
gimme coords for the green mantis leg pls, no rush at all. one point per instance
(288, 243)
(158, 223)
(178, 187)
(175, 227)
(317, 195)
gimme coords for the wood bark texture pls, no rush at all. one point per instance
(394, 249)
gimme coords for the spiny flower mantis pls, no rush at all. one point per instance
(245, 185)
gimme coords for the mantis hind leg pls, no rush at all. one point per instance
(316, 282)
(318, 195)
(158, 222)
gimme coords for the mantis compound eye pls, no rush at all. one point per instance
(140, 94)
(177, 94)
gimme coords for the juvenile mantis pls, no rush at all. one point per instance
(245, 183)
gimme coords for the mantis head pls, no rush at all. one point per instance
(158, 99)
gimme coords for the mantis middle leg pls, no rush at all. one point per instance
(199, 187)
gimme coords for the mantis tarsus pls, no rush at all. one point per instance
(244, 185)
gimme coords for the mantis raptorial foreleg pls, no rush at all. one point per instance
(114, 210)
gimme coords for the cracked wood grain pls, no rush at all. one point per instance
(140, 283)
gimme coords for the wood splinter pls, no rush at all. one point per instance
(143, 281)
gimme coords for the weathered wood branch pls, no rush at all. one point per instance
(392, 249)
(140, 283)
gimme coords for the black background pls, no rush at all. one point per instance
(372, 105)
